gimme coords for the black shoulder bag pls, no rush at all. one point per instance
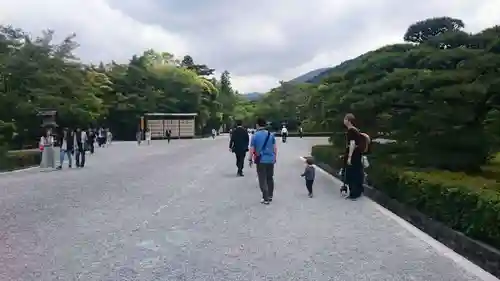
(257, 157)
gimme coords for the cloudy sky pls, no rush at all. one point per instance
(260, 41)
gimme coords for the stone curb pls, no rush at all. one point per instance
(18, 170)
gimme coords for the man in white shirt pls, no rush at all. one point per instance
(101, 137)
(109, 137)
(284, 133)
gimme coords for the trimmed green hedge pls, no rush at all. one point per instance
(19, 159)
(469, 204)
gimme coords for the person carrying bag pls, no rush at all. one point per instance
(264, 150)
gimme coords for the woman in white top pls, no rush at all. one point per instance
(48, 152)
(148, 136)
(109, 137)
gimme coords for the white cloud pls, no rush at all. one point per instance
(104, 33)
(260, 42)
(254, 83)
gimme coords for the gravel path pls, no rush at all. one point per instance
(178, 212)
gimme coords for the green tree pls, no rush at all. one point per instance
(37, 73)
(438, 99)
(422, 31)
(200, 69)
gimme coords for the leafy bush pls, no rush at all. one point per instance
(469, 204)
(327, 154)
(18, 159)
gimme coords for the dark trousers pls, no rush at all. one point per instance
(91, 146)
(80, 156)
(354, 177)
(240, 159)
(309, 186)
(101, 141)
(265, 174)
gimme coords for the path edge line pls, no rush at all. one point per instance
(439, 247)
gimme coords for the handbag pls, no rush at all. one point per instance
(258, 156)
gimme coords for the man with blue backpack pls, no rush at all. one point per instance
(264, 150)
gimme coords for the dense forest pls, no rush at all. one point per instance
(38, 74)
(436, 95)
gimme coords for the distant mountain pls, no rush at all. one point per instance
(316, 76)
(253, 96)
(344, 66)
(304, 78)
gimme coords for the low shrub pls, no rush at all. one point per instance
(327, 154)
(18, 159)
(469, 204)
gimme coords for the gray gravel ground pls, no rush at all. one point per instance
(178, 212)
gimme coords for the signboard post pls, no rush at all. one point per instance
(48, 118)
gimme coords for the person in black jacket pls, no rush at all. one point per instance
(239, 145)
(168, 135)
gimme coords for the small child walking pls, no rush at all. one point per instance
(309, 174)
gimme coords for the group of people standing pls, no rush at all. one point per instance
(263, 153)
(148, 136)
(71, 143)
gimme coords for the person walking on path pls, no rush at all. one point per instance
(239, 146)
(80, 141)
(309, 174)
(67, 148)
(91, 139)
(264, 151)
(101, 138)
(138, 137)
(48, 152)
(168, 134)
(284, 133)
(354, 171)
(148, 136)
(109, 137)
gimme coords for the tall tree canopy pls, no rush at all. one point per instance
(438, 98)
(36, 73)
(422, 31)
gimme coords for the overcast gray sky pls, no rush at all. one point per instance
(260, 41)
